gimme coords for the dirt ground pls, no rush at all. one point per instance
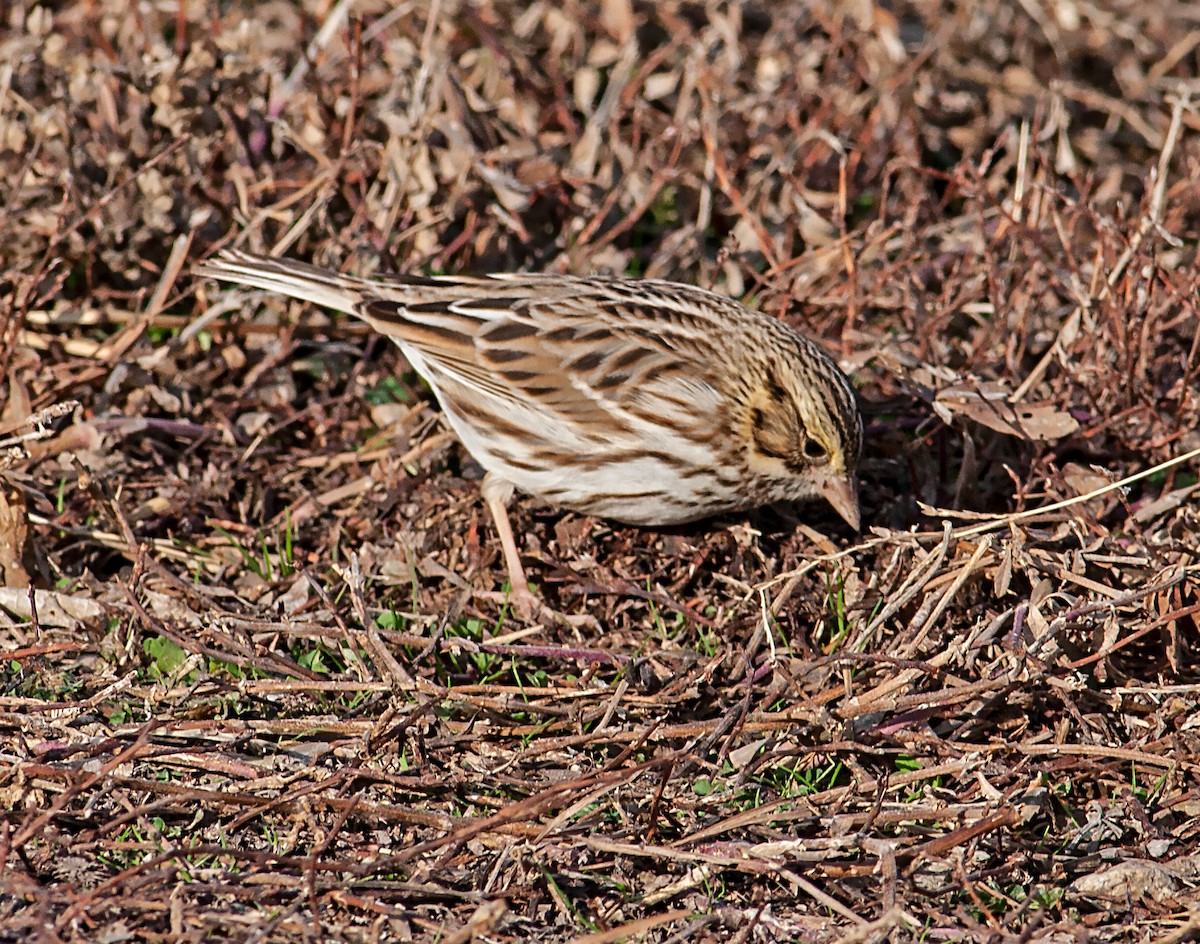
(260, 681)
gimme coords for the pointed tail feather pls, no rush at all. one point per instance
(288, 277)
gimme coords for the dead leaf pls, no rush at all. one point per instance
(990, 404)
(1164, 504)
(14, 532)
(1085, 479)
(814, 228)
(53, 608)
(17, 407)
(78, 437)
(1140, 880)
(617, 17)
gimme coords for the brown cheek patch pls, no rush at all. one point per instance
(773, 435)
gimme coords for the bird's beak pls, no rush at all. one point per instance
(842, 494)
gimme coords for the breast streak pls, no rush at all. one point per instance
(642, 474)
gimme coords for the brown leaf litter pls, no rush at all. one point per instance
(260, 681)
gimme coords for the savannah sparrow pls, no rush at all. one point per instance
(646, 402)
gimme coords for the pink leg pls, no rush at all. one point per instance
(496, 494)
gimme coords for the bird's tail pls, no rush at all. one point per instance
(288, 277)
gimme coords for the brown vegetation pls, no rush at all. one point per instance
(260, 682)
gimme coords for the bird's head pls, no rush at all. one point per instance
(805, 431)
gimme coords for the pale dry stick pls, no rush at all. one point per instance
(633, 929)
(586, 150)
(1095, 586)
(1185, 931)
(764, 626)
(333, 22)
(268, 687)
(1159, 194)
(39, 421)
(1171, 579)
(687, 91)
(406, 460)
(300, 225)
(516, 635)
(81, 317)
(923, 625)
(913, 584)
(1105, 752)
(1003, 521)
(116, 542)
(569, 812)
(418, 107)
(384, 23)
(124, 340)
(1151, 221)
(82, 348)
(883, 697)
(368, 637)
(170, 273)
(1156, 691)
(994, 523)
(230, 302)
(1018, 209)
(89, 317)
(755, 860)
(611, 709)
(1090, 97)
(732, 854)
(264, 213)
(1182, 47)
(819, 896)
(933, 511)
(880, 929)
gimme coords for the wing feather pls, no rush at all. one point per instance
(546, 351)
(578, 357)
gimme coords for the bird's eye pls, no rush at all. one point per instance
(815, 450)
